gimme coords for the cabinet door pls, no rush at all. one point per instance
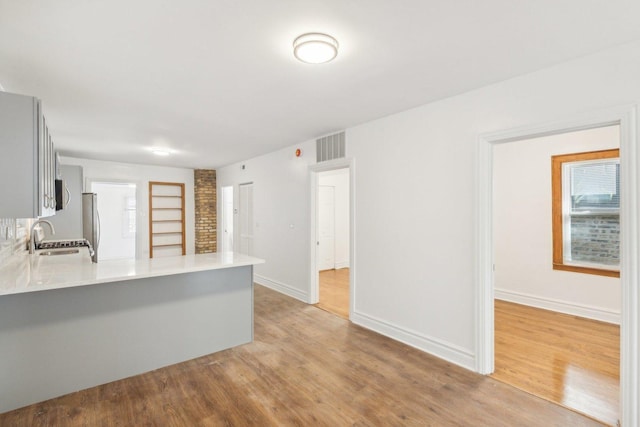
(51, 175)
(27, 160)
(43, 203)
(46, 178)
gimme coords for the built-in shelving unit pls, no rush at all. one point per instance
(166, 219)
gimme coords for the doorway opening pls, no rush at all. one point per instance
(557, 334)
(332, 237)
(626, 118)
(333, 241)
(117, 207)
(227, 218)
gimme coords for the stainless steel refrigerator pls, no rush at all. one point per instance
(91, 222)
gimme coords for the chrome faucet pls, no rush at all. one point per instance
(32, 239)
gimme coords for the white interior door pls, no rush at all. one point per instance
(326, 228)
(245, 219)
(227, 219)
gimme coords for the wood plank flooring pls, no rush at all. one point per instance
(305, 367)
(334, 292)
(566, 359)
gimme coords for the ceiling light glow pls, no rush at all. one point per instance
(159, 152)
(315, 48)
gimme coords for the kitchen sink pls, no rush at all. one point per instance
(60, 252)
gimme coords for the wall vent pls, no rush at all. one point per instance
(330, 147)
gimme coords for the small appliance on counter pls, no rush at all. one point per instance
(91, 222)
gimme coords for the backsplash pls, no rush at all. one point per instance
(13, 237)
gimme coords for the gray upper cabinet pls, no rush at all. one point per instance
(27, 159)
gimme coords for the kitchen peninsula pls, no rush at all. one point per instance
(67, 324)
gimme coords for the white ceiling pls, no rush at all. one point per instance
(216, 81)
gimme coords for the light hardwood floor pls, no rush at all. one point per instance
(305, 367)
(566, 359)
(334, 292)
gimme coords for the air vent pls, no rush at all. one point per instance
(330, 147)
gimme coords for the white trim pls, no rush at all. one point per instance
(589, 312)
(441, 349)
(348, 163)
(629, 267)
(484, 261)
(283, 288)
(628, 119)
(331, 165)
(343, 264)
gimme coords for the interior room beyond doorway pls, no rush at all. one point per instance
(569, 360)
(556, 330)
(333, 241)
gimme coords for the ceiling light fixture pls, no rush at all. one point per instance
(315, 48)
(160, 152)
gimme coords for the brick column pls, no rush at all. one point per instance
(206, 216)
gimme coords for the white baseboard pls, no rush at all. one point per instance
(589, 312)
(281, 287)
(339, 265)
(447, 351)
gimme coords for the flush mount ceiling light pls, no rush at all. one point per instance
(315, 48)
(160, 152)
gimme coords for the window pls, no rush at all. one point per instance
(586, 212)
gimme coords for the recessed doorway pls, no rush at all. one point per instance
(557, 329)
(333, 241)
(332, 227)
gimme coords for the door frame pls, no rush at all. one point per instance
(314, 282)
(627, 118)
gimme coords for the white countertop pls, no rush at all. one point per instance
(23, 273)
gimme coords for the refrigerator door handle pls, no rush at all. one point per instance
(66, 189)
(98, 239)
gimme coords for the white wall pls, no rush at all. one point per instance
(339, 180)
(416, 170)
(97, 170)
(522, 229)
(281, 214)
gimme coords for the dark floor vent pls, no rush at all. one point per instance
(330, 147)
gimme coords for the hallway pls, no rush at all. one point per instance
(334, 292)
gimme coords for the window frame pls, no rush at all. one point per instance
(558, 231)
